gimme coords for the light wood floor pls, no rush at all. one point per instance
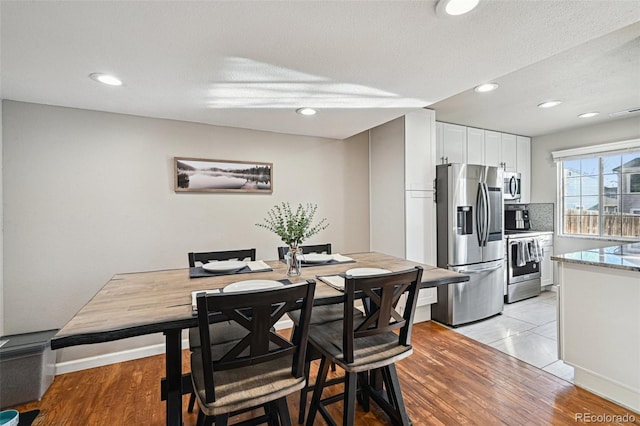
(449, 380)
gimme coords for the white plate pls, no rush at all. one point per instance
(316, 258)
(224, 266)
(250, 285)
(363, 272)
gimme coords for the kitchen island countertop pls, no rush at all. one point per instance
(623, 256)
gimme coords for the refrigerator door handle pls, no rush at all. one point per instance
(479, 213)
(487, 215)
(487, 267)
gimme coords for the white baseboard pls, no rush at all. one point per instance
(129, 354)
(112, 358)
(612, 390)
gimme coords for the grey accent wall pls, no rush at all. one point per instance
(544, 185)
(90, 194)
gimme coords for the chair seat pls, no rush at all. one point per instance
(369, 352)
(220, 332)
(245, 387)
(321, 314)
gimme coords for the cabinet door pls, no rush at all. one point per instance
(454, 139)
(420, 227)
(546, 266)
(475, 146)
(419, 150)
(492, 148)
(508, 152)
(523, 165)
(421, 236)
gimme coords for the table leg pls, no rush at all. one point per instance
(173, 366)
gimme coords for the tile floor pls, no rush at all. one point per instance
(526, 330)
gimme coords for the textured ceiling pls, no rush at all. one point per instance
(602, 75)
(250, 64)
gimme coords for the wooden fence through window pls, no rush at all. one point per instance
(587, 222)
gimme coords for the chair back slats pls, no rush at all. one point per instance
(382, 294)
(257, 312)
(319, 248)
(205, 257)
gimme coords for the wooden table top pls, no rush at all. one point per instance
(141, 303)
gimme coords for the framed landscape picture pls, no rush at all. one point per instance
(202, 175)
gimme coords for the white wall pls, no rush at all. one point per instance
(543, 169)
(90, 194)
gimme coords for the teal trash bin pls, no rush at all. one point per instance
(27, 367)
(9, 418)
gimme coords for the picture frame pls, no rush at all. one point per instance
(208, 175)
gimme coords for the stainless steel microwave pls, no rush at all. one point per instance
(511, 188)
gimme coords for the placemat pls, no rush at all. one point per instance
(200, 272)
(331, 262)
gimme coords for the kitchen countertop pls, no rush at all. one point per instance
(624, 256)
(520, 234)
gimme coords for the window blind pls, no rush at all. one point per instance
(595, 150)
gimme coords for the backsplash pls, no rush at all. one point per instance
(541, 216)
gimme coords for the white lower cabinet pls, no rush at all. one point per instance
(546, 269)
(546, 265)
(420, 239)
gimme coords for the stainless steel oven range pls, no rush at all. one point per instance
(523, 265)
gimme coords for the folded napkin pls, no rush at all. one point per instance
(341, 258)
(335, 281)
(194, 294)
(258, 265)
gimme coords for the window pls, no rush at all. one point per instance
(600, 194)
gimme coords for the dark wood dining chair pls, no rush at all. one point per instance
(318, 248)
(205, 257)
(366, 347)
(258, 370)
(225, 331)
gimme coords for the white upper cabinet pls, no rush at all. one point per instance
(509, 152)
(492, 148)
(523, 165)
(475, 146)
(451, 144)
(460, 144)
(419, 151)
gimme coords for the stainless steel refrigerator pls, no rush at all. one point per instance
(469, 209)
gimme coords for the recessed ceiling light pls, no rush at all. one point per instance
(455, 7)
(106, 79)
(549, 104)
(588, 114)
(306, 111)
(487, 87)
(624, 112)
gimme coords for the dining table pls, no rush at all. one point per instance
(140, 303)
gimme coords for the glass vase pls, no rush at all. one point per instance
(294, 261)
